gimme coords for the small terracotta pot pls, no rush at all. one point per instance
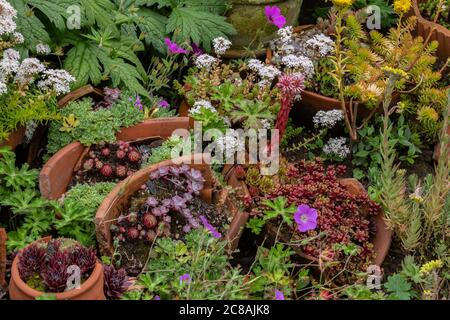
(14, 139)
(111, 207)
(57, 173)
(91, 289)
(381, 240)
(440, 33)
(3, 238)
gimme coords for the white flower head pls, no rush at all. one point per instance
(11, 54)
(43, 49)
(300, 63)
(269, 72)
(204, 61)
(3, 88)
(255, 64)
(327, 119)
(230, 142)
(337, 147)
(321, 43)
(285, 34)
(18, 38)
(56, 80)
(7, 16)
(199, 105)
(10, 63)
(28, 69)
(221, 45)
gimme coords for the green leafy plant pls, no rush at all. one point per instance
(251, 114)
(93, 126)
(366, 152)
(110, 33)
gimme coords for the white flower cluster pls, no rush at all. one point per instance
(7, 16)
(221, 45)
(28, 70)
(285, 34)
(3, 88)
(204, 61)
(266, 72)
(42, 48)
(9, 64)
(300, 63)
(327, 119)
(266, 124)
(229, 143)
(199, 105)
(337, 147)
(321, 44)
(56, 80)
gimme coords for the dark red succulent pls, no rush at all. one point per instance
(106, 152)
(150, 236)
(120, 154)
(149, 220)
(134, 156)
(54, 273)
(116, 282)
(106, 170)
(30, 260)
(133, 233)
(240, 172)
(121, 171)
(84, 258)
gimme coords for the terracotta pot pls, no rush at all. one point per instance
(14, 139)
(111, 207)
(248, 18)
(381, 240)
(57, 173)
(440, 33)
(85, 91)
(3, 238)
(91, 289)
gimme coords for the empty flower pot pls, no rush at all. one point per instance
(91, 289)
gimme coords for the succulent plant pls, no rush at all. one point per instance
(106, 170)
(84, 258)
(120, 154)
(134, 156)
(149, 220)
(54, 273)
(98, 164)
(121, 171)
(30, 260)
(106, 152)
(133, 233)
(88, 164)
(116, 282)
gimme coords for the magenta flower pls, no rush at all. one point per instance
(274, 16)
(173, 47)
(163, 104)
(279, 295)
(208, 226)
(196, 50)
(185, 278)
(306, 218)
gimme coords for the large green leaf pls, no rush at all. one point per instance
(82, 62)
(200, 27)
(152, 25)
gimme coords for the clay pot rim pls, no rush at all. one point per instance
(418, 14)
(85, 286)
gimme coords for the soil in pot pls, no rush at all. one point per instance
(165, 206)
(112, 162)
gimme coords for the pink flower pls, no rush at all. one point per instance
(173, 47)
(306, 218)
(274, 16)
(279, 295)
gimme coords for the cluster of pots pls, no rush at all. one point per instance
(59, 170)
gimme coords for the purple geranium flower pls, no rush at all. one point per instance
(163, 104)
(208, 226)
(185, 278)
(279, 295)
(156, 298)
(138, 103)
(173, 47)
(197, 50)
(306, 218)
(274, 16)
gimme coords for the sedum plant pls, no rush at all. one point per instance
(27, 88)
